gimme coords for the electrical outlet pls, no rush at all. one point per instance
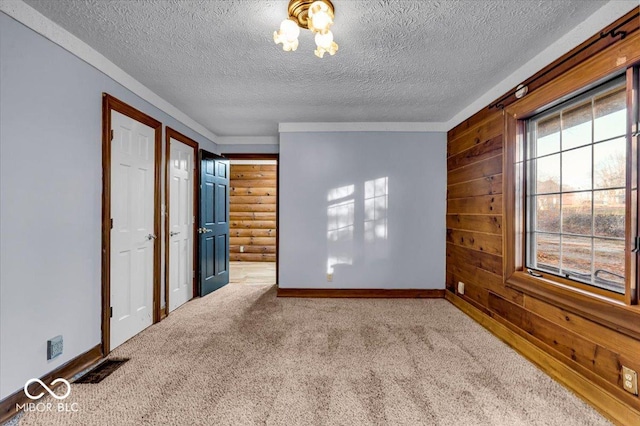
(629, 380)
(54, 347)
(460, 287)
(329, 277)
(241, 249)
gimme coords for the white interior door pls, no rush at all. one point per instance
(132, 233)
(181, 220)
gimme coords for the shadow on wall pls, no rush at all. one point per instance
(357, 213)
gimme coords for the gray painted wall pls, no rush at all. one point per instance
(50, 200)
(327, 219)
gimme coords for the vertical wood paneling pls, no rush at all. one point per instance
(252, 205)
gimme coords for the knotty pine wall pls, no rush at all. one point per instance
(252, 204)
(475, 235)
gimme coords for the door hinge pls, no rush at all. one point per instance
(111, 223)
(111, 312)
(636, 247)
(111, 134)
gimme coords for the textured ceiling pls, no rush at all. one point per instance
(398, 60)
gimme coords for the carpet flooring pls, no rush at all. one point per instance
(242, 356)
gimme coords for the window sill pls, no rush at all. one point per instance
(599, 309)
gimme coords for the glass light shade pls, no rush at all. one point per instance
(288, 35)
(324, 40)
(290, 29)
(325, 44)
(320, 17)
(289, 46)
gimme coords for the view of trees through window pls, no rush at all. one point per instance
(576, 196)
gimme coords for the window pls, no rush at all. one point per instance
(575, 204)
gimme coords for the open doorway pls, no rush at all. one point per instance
(253, 225)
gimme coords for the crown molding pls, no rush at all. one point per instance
(587, 28)
(44, 26)
(363, 127)
(248, 140)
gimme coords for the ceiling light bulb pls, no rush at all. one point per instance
(288, 35)
(320, 17)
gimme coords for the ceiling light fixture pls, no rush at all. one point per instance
(316, 16)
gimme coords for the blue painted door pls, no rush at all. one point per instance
(214, 222)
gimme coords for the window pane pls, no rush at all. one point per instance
(576, 213)
(610, 163)
(609, 264)
(576, 169)
(610, 111)
(576, 126)
(548, 213)
(575, 196)
(547, 248)
(609, 212)
(547, 174)
(548, 136)
(576, 257)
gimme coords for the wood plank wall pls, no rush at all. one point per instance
(474, 255)
(252, 204)
(474, 211)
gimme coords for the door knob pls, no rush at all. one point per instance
(171, 234)
(151, 237)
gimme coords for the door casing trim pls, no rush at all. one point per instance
(110, 103)
(174, 134)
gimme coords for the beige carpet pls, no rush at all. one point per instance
(241, 356)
